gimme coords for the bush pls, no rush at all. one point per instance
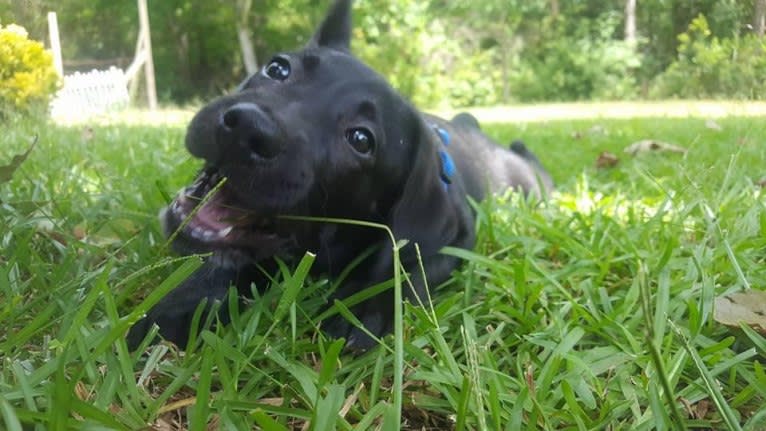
(709, 67)
(28, 79)
(433, 69)
(582, 64)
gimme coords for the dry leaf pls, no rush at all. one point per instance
(744, 307)
(596, 129)
(163, 425)
(651, 145)
(529, 376)
(703, 407)
(79, 232)
(87, 133)
(607, 160)
(712, 125)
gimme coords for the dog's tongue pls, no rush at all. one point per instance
(216, 215)
(213, 217)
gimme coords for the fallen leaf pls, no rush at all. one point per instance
(703, 407)
(81, 391)
(7, 171)
(87, 133)
(651, 145)
(178, 405)
(350, 401)
(744, 307)
(695, 411)
(163, 425)
(712, 125)
(79, 232)
(529, 376)
(596, 129)
(607, 160)
(214, 423)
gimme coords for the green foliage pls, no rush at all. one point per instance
(711, 67)
(379, 26)
(28, 79)
(587, 63)
(420, 57)
(473, 80)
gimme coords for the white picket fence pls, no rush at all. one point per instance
(87, 94)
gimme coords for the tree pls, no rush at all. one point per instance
(759, 22)
(555, 9)
(630, 21)
(243, 34)
(504, 24)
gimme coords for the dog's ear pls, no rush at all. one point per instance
(335, 31)
(430, 210)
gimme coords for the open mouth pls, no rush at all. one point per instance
(208, 212)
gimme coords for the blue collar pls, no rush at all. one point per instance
(448, 169)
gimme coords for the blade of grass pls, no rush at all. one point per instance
(712, 386)
(293, 286)
(654, 352)
(201, 410)
(266, 422)
(327, 408)
(464, 401)
(12, 422)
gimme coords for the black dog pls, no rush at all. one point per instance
(318, 133)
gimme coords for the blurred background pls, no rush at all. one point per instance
(438, 52)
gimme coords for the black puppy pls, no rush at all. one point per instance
(318, 133)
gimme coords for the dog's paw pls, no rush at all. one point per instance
(175, 312)
(376, 323)
(174, 326)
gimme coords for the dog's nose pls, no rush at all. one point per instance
(249, 127)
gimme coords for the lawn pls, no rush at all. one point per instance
(591, 311)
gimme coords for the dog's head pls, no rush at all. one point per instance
(315, 133)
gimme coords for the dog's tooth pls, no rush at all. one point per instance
(207, 235)
(197, 232)
(225, 232)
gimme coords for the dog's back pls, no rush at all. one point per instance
(487, 167)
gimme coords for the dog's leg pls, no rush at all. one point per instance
(377, 313)
(174, 313)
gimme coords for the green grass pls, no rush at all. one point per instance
(593, 311)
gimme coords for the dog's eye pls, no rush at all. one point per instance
(278, 69)
(360, 140)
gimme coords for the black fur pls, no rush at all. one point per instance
(318, 133)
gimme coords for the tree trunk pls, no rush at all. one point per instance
(248, 52)
(630, 21)
(243, 34)
(555, 10)
(759, 22)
